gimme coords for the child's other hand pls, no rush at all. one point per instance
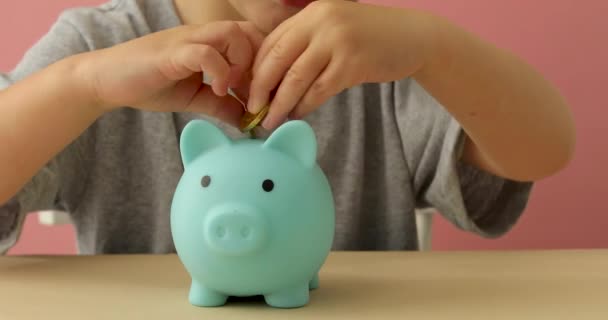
(330, 46)
(164, 71)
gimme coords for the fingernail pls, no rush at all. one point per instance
(267, 123)
(218, 89)
(252, 104)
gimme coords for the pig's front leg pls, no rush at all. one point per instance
(293, 297)
(314, 283)
(204, 297)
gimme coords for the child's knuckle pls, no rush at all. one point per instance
(320, 89)
(278, 51)
(204, 52)
(232, 28)
(348, 39)
(325, 8)
(295, 76)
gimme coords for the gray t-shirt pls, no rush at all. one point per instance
(386, 148)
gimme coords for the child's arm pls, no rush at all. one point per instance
(39, 116)
(517, 124)
(44, 112)
(520, 126)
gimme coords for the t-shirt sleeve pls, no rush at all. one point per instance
(40, 193)
(472, 199)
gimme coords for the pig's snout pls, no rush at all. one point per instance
(235, 230)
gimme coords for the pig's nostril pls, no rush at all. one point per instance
(220, 232)
(245, 231)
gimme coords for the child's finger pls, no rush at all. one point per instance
(269, 42)
(240, 56)
(233, 43)
(242, 89)
(297, 81)
(204, 58)
(255, 36)
(272, 69)
(331, 81)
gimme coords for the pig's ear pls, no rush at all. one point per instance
(198, 137)
(296, 139)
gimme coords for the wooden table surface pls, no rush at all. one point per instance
(571, 284)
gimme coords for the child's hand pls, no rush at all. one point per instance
(163, 71)
(330, 46)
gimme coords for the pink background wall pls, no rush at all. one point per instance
(564, 39)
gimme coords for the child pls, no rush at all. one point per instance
(409, 110)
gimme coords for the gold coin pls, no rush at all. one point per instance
(250, 120)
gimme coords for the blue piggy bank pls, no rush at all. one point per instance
(251, 216)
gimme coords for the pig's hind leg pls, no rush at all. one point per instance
(314, 283)
(202, 296)
(292, 297)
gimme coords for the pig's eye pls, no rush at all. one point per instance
(206, 181)
(267, 185)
